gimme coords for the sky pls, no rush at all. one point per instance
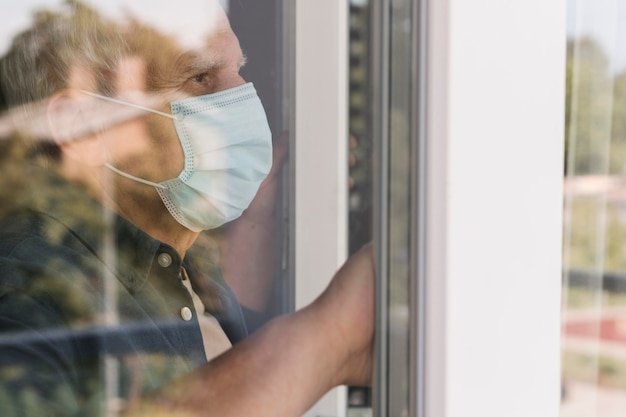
(603, 20)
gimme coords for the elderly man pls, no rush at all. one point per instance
(122, 148)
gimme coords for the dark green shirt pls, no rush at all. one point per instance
(93, 312)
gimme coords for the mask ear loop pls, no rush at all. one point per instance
(132, 177)
(136, 106)
(140, 107)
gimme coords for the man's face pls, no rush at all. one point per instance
(148, 147)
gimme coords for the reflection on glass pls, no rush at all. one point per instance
(594, 256)
(360, 158)
(97, 306)
(138, 185)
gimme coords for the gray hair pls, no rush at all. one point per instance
(39, 60)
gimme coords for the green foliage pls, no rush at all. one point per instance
(594, 369)
(588, 101)
(595, 227)
(7, 406)
(30, 402)
(64, 397)
(595, 236)
(595, 111)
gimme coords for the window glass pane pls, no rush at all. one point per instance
(594, 292)
(136, 239)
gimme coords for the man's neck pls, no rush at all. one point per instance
(151, 216)
(137, 203)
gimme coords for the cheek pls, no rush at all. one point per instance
(166, 146)
(130, 140)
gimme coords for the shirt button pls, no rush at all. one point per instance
(164, 259)
(186, 314)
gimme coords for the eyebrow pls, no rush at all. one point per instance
(192, 63)
(189, 64)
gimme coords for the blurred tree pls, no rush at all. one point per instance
(588, 98)
(595, 133)
(64, 396)
(7, 407)
(31, 404)
(617, 158)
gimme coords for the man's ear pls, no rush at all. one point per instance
(71, 127)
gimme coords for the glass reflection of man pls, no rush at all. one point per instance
(118, 150)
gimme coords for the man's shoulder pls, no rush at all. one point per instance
(37, 231)
(35, 245)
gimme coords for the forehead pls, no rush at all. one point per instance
(189, 23)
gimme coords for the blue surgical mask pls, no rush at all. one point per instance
(227, 146)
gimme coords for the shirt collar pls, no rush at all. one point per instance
(125, 249)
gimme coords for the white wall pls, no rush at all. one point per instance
(496, 110)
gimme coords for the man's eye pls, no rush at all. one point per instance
(200, 78)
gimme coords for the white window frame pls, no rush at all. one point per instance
(320, 151)
(495, 137)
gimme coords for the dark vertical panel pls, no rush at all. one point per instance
(360, 125)
(264, 34)
(259, 26)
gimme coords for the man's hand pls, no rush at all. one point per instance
(285, 367)
(348, 304)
